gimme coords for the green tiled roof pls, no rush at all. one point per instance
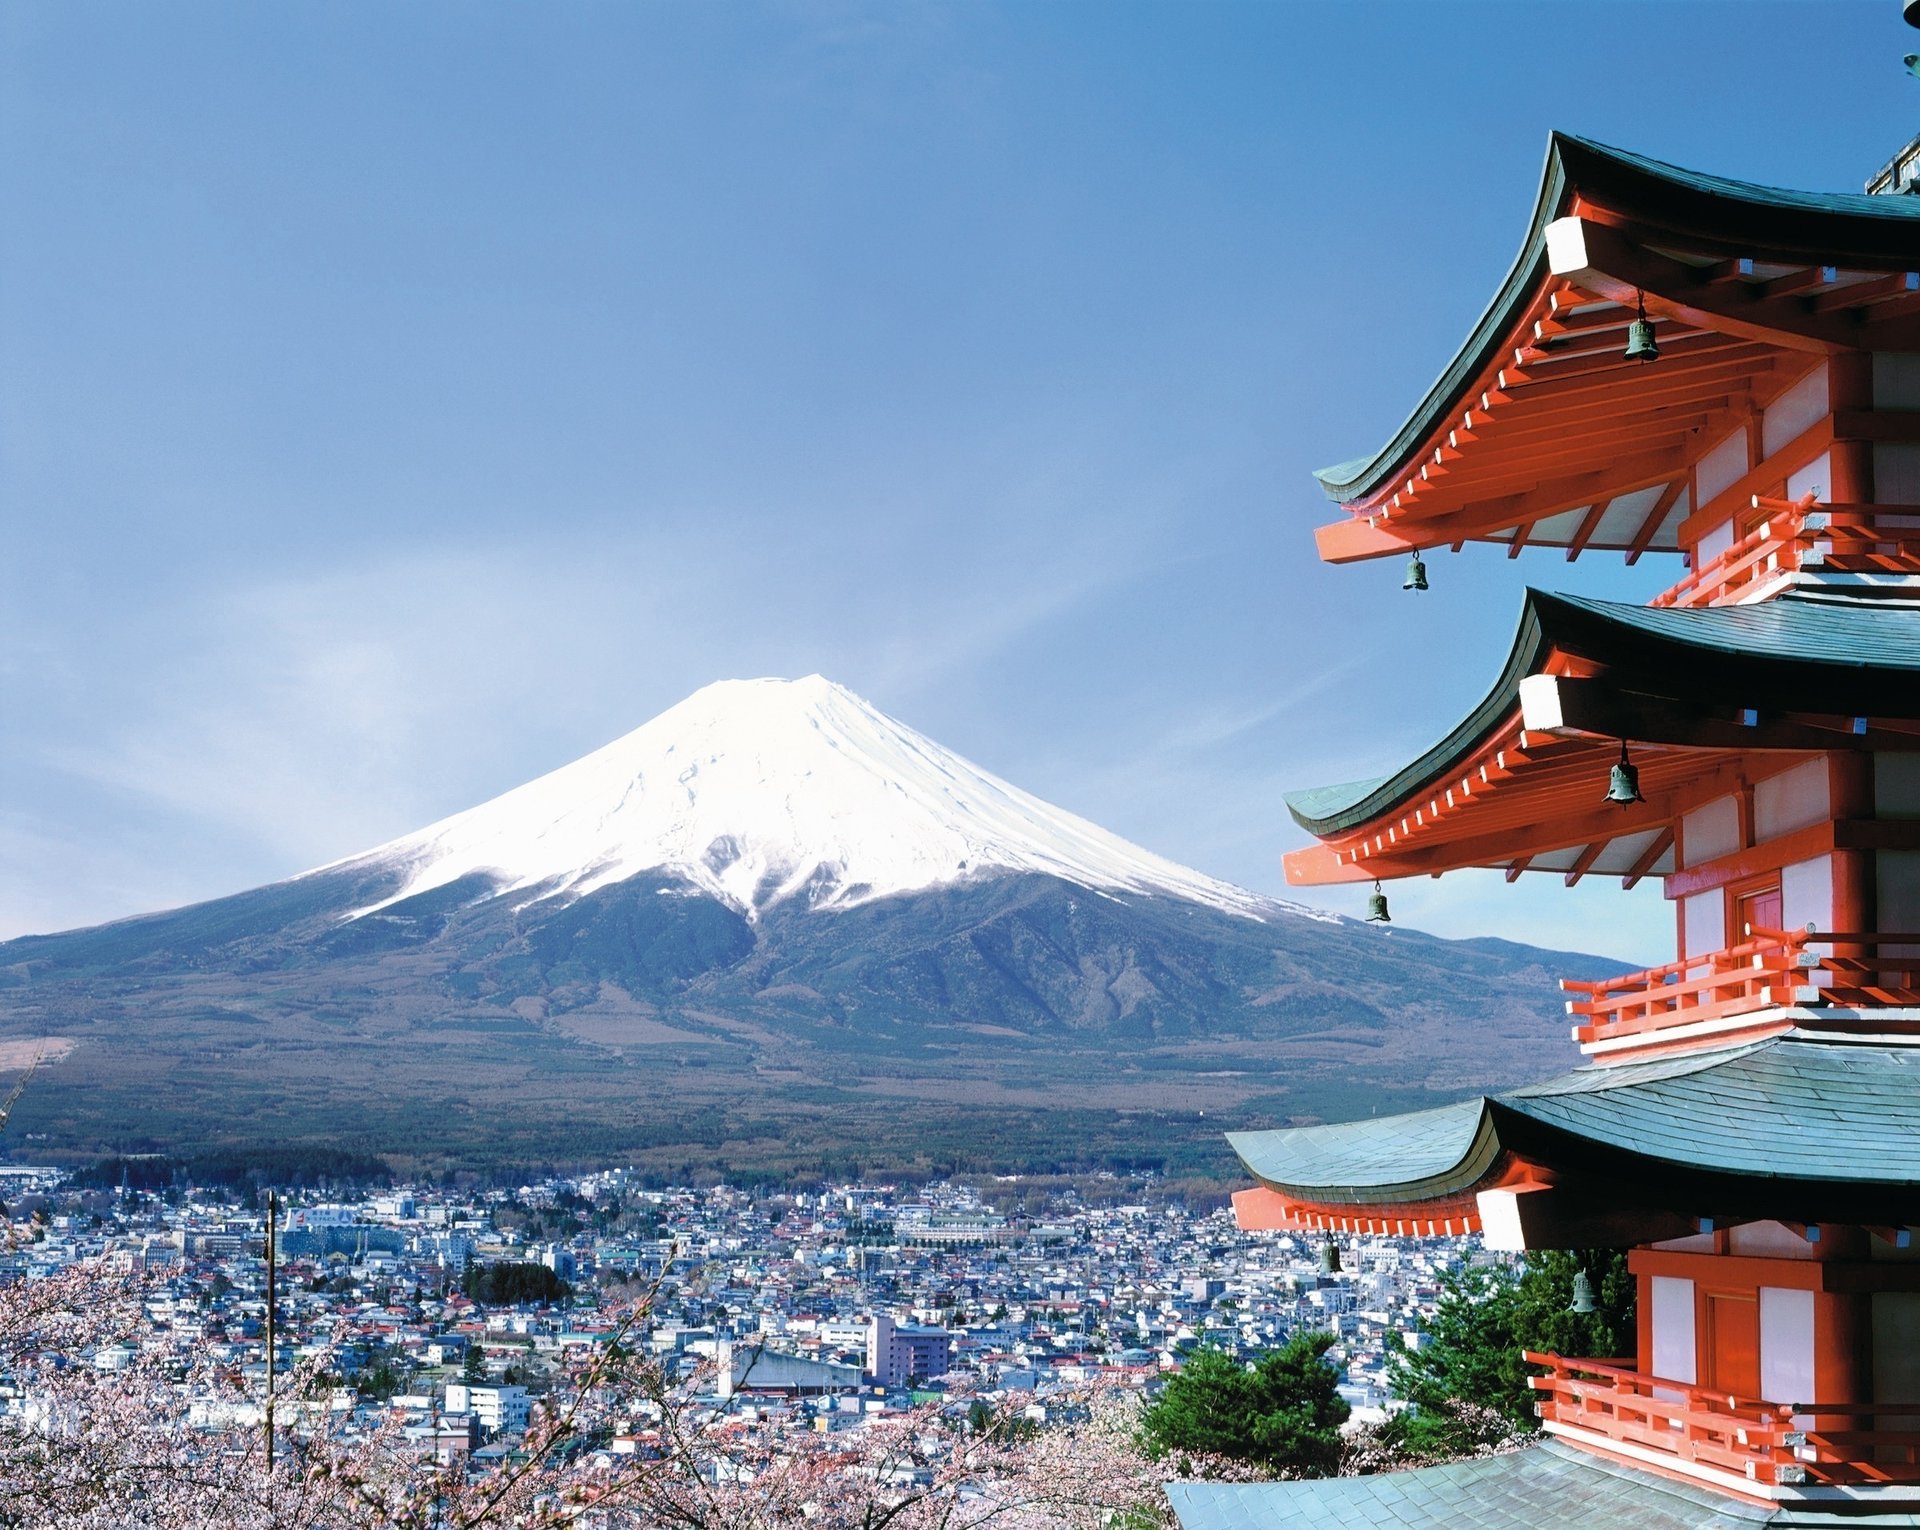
(1549, 1486)
(1820, 655)
(1440, 1151)
(1832, 1117)
(1837, 1112)
(1824, 227)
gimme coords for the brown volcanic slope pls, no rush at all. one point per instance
(1008, 1022)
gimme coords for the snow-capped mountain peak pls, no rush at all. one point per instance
(761, 791)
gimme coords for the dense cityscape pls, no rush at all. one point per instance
(449, 1317)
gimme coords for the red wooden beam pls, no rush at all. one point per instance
(1609, 262)
(1866, 294)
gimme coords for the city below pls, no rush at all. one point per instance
(448, 1319)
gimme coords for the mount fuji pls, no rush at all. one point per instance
(764, 792)
(772, 931)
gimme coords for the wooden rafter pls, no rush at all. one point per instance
(1609, 262)
(1611, 360)
(1642, 386)
(1868, 293)
(1589, 524)
(1650, 527)
(1583, 863)
(1648, 858)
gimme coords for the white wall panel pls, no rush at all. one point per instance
(1896, 1347)
(1674, 1356)
(1896, 380)
(1706, 921)
(1816, 478)
(1726, 462)
(1896, 472)
(1806, 894)
(1711, 831)
(1793, 411)
(1896, 785)
(1791, 800)
(1786, 1345)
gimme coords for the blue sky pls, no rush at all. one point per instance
(399, 401)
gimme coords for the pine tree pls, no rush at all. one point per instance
(1284, 1412)
(1471, 1350)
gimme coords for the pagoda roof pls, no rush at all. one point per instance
(1706, 684)
(1791, 1127)
(1543, 1487)
(1748, 287)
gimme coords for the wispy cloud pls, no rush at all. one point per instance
(311, 715)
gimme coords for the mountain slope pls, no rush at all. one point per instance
(770, 931)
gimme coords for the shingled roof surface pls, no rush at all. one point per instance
(1548, 1486)
(1827, 1112)
(1544, 1487)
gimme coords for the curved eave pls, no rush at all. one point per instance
(1422, 1156)
(1785, 654)
(1780, 1127)
(1702, 212)
(1329, 811)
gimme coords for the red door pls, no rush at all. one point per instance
(1756, 909)
(1731, 1341)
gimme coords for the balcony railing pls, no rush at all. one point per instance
(1774, 1444)
(1803, 534)
(1770, 969)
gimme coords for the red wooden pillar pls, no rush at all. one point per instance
(1842, 1333)
(1850, 386)
(1855, 893)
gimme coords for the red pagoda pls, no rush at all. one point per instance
(1681, 364)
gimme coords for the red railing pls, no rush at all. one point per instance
(1757, 974)
(1803, 534)
(1768, 970)
(1777, 1444)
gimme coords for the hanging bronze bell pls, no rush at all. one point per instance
(1623, 782)
(1329, 1258)
(1582, 1293)
(1640, 342)
(1416, 574)
(1377, 907)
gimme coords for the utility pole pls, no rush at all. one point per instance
(273, 1312)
